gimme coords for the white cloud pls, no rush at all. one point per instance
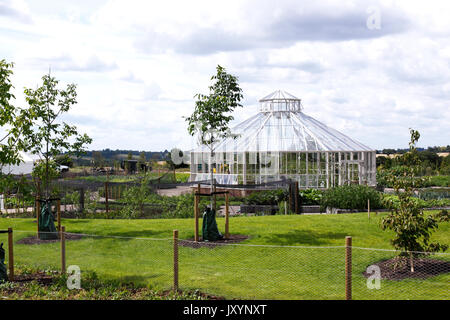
(138, 64)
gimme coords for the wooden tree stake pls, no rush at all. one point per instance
(175, 260)
(227, 225)
(348, 268)
(63, 249)
(10, 254)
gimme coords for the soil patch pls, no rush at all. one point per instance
(36, 240)
(399, 268)
(41, 277)
(234, 238)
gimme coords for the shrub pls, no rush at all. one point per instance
(351, 197)
(267, 197)
(310, 197)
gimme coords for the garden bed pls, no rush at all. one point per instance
(36, 240)
(234, 238)
(399, 268)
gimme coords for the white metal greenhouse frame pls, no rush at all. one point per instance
(279, 142)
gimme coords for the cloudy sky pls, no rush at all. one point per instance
(370, 69)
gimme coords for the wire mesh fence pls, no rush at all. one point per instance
(242, 271)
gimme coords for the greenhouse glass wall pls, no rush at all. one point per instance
(281, 142)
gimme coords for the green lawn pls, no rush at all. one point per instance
(300, 259)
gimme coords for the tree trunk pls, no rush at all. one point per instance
(213, 199)
(411, 259)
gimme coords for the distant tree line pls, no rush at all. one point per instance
(108, 157)
(430, 162)
(434, 149)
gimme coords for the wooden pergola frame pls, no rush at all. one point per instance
(197, 196)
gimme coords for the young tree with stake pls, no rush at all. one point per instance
(406, 218)
(49, 137)
(212, 114)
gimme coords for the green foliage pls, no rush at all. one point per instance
(213, 111)
(15, 122)
(351, 197)
(438, 181)
(48, 138)
(92, 288)
(311, 196)
(72, 198)
(411, 226)
(267, 197)
(392, 199)
(135, 198)
(45, 172)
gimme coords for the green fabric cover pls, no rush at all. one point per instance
(210, 232)
(3, 275)
(47, 229)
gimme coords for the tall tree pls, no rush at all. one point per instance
(50, 137)
(213, 113)
(406, 218)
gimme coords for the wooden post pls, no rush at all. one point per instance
(196, 201)
(348, 268)
(10, 254)
(196, 213)
(106, 196)
(63, 249)
(38, 213)
(58, 214)
(175, 260)
(81, 200)
(215, 200)
(227, 224)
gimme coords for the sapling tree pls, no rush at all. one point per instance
(412, 228)
(50, 137)
(213, 113)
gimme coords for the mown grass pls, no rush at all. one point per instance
(303, 257)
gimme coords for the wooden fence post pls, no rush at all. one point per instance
(81, 200)
(58, 214)
(227, 226)
(348, 268)
(196, 213)
(196, 201)
(175, 260)
(106, 197)
(63, 249)
(10, 254)
(38, 213)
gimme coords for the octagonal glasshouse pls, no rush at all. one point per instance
(282, 142)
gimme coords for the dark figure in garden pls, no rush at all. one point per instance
(3, 275)
(47, 229)
(210, 232)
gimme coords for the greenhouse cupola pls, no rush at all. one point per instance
(282, 142)
(280, 101)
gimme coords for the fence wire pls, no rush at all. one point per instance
(242, 271)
